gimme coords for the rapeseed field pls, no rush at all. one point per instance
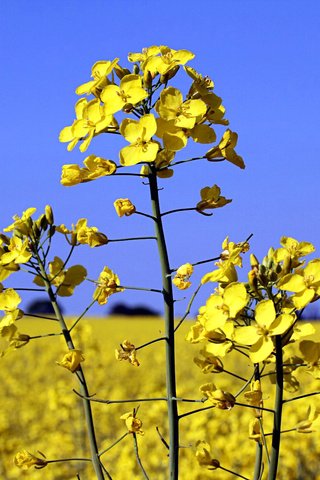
(41, 412)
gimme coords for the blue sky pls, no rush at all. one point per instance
(264, 59)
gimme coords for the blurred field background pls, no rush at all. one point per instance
(39, 410)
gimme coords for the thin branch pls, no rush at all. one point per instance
(136, 449)
(188, 307)
(301, 396)
(150, 343)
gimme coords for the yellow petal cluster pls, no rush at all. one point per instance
(26, 460)
(107, 284)
(133, 423)
(181, 279)
(127, 351)
(124, 206)
(72, 360)
(95, 167)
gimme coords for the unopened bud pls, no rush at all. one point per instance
(135, 69)
(49, 214)
(254, 262)
(121, 72)
(170, 74)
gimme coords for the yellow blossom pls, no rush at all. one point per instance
(204, 457)
(64, 280)
(210, 363)
(22, 224)
(260, 336)
(133, 423)
(305, 283)
(123, 206)
(129, 93)
(139, 133)
(219, 398)
(226, 150)
(127, 351)
(181, 279)
(311, 353)
(211, 198)
(311, 423)
(222, 307)
(255, 430)
(25, 460)
(291, 251)
(162, 161)
(107, 284)
(171, 106)
(18, 252)
(89, 235)
(168, 59)
(91, 120)
(95, 167)
(99, 73)
(72, 360)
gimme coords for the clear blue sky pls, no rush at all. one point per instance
(264, 59)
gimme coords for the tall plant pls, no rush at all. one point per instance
(257, 319)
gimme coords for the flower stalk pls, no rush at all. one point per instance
(173, 418)
(81, 377)
(276, 433)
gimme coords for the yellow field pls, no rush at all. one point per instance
(39, 410)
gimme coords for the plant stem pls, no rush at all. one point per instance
(169, 330)
(275, 448)
(259, 446)
(82, 380)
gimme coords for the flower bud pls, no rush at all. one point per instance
(49, 214)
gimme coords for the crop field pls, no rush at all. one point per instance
(40, 411)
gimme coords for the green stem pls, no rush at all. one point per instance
(136, 449)
(82, 380)
(275, 448)
(169, 330)
(259, 448)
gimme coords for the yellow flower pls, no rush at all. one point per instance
(255, 430)
(99, 73)
(124, 206)
(254, 397)
(305, 283)
(18, 252)
(9, 300)
(22, 224)
(181, 279)
(311, 353)
(227, 305)
(171, 106)
(162, 161)
(133, 423)
(89, 235)
(211, 198)
(72, 360)
(231, 251)
(311, 423)
(210, 363)
(91, 120)
(127, 351)
(260, 336)
(292, 250)
(25, 460)
(64, 280)
(219, 398)
(226, 273)
(168, 60)
(107, 284)
(204, 457)
(95, 167)
(14, 338)
(144, 55)
(226, 150)
(138, 133)
(129, 93)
